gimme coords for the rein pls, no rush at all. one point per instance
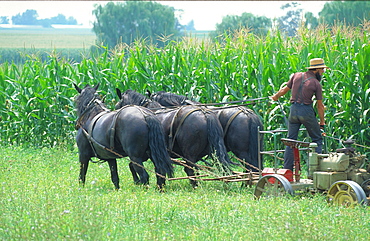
(355, 144)
(234, 102)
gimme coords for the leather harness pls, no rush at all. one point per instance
(112, 129)
(172, 137)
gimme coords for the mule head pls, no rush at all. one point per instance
(119, 94)
(149, 94)
(85, 97)
(79, 90)
(121, 101)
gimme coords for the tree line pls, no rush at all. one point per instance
(29, 17)
(125, 22)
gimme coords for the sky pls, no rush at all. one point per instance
(206, 14)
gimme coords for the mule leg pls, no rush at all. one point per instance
(114, 172)
(133, 172)
(191, 172)
(84, 164)
(160, 180)
(143, 174)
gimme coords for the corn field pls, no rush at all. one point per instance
(37, 97)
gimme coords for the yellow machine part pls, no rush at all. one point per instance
(323, 180)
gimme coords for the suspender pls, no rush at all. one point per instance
(299, 93)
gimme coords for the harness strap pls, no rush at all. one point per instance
(112, 129)
(172, 138)
(90, 129)
(231, 120)
(94, 120)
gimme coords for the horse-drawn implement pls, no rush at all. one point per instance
(339, 174)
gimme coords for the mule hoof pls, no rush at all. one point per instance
(161, 188)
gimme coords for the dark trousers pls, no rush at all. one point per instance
(302, 115)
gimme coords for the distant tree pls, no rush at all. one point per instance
(179, 26)
(231, 23)
(128, 21)
(71, 21)
(46, 23)
(61, 19)
(311, 21)
(290, 22)
(29, 17)
(190, 26)
(349, 12)
(4, 20)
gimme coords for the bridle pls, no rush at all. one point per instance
(92, 103)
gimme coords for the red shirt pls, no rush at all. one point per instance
(310, 88)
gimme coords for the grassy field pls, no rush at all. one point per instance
(51, 38)
(41, 200)
(46, 38)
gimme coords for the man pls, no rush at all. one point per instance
(304, 86)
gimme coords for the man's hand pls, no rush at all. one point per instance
(274, 98)
(322, 128)
(280, 93)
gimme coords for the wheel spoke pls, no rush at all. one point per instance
(346, 193)
(272, 186)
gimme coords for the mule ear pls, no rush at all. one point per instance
(148, 93)
(119, 93)
(96, 86)
(79, 90)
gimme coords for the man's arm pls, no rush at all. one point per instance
(320, 110)
(280, 93)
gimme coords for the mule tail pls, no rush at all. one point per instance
(158, 147)
(215, 139)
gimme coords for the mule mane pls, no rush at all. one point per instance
(134, 97)
(131, 97)
(169, 99)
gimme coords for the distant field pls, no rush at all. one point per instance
(46, 38)
(198, 34)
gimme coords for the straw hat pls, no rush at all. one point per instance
(317, 63)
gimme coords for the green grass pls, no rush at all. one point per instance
(41, 200)
(47, 38)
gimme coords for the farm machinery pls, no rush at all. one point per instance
(342, 175)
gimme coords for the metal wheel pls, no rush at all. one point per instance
(346, 193)
(366, 187)
(273, 185)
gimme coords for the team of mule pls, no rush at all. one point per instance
(142, 129)
(240, 125)
(191, 132)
